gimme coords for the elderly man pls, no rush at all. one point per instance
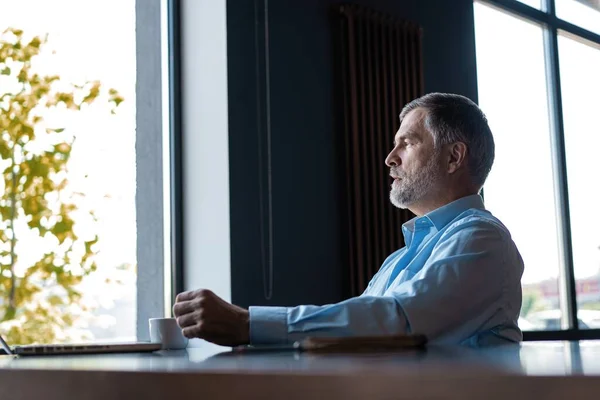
(457, 280)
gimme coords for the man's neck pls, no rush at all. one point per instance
(438, 200)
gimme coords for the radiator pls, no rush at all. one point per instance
(379, 68)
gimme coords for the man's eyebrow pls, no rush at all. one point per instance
(406, 135)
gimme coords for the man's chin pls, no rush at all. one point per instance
(399, 203)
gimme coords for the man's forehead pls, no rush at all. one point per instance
(414, 117)
(412, 123)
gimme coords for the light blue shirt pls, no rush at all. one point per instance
(457, 281)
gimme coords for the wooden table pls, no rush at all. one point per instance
(553, 370)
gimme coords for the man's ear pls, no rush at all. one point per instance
(457, 156)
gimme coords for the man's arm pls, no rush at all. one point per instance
(358, 316)
(455, 293)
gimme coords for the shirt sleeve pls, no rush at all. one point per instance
(454, 293)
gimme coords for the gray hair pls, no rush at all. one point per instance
(453, 118)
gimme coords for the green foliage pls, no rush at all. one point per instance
(39, 301)
(533, 301)
(590, 306)
(529, 301)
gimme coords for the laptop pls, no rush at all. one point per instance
(65, 349)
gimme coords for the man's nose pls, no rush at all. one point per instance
(392, 160)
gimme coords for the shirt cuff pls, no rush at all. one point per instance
(268, 325)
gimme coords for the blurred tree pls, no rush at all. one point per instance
(529, 299)
(39, 299)
(531, 302)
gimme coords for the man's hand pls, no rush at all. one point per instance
(202, 314)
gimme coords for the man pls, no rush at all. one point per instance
(456, 281)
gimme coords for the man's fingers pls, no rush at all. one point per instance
(195, 331)
(192, 294)
(188, 319)
(189, 332)
(184, 307)
(185, 296)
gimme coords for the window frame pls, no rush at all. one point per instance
(150, 224)
(552, 25)
(175, 148)
(159, 161)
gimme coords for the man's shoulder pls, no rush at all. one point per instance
(477, 220)
(478, 230)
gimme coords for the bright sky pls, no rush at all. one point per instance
(93, 40)
(512, 92)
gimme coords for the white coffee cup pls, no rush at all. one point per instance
(168, 333)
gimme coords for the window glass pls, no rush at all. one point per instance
(520, 188)
(584, 13)
(67, 155)
(532, 3)
(580, 85)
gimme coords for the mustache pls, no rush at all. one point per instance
(395, 173)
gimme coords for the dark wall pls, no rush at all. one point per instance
(307, 244)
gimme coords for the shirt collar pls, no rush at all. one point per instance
(440, 217)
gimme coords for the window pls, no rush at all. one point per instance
(532, 3)
(541, 185)
(580, 83)
(74, 197)
(583, 13)
(520, 123)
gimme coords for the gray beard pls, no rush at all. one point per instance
(415, 186)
